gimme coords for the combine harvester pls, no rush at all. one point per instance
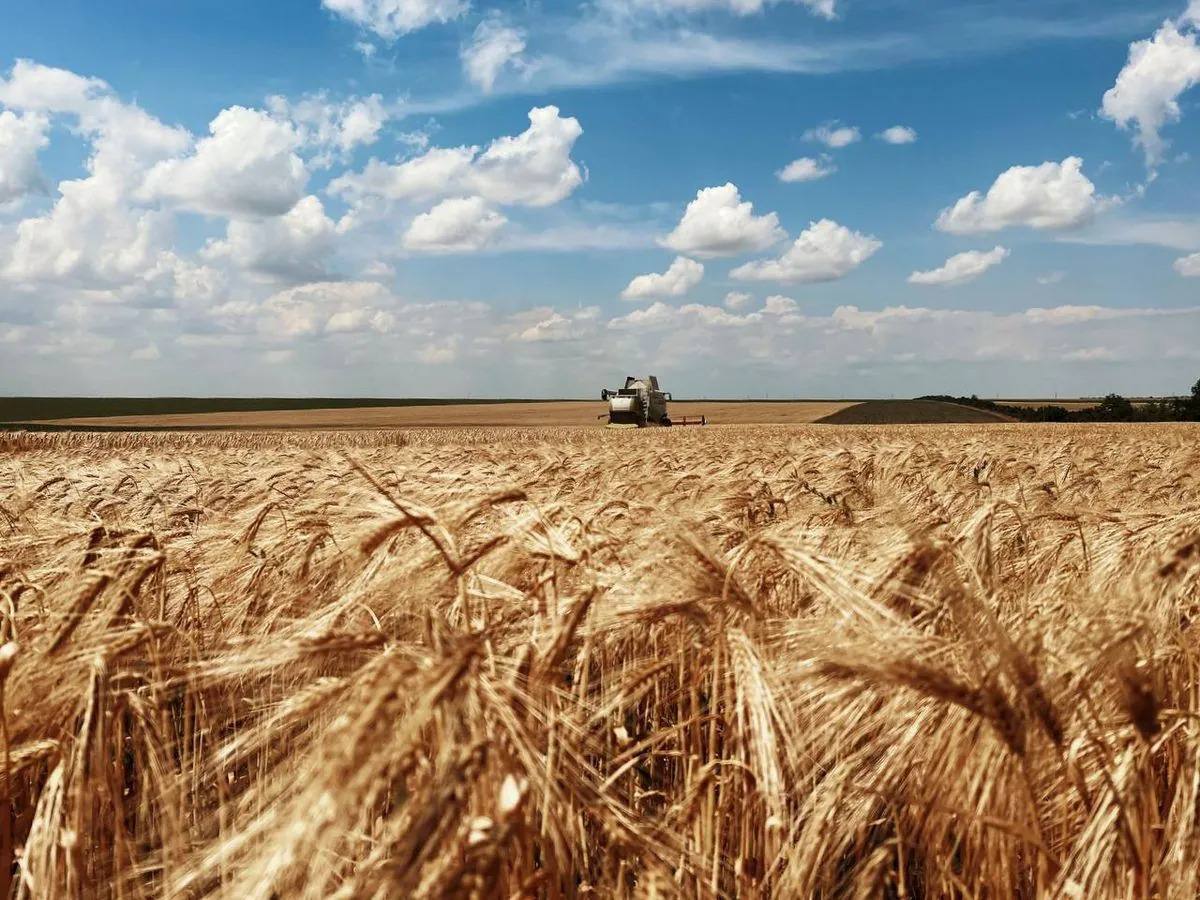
(640, 404)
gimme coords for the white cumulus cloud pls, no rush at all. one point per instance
(455, 225)
(392, 18)
(332, 128)
(1050, 196)
(293, 246)
(898, 134)
(834, 135)
(554, 327)
(737, 299)
(543, 325)
(682, 275)
(825, 251)
(94, 235)
(962, 267)
(1188, 266)
(318, 308)
(1146, 94)
(778, 305)
(806, 169)
(422, 177)
(655, 315)
(21, 138)
(247, 166)
(533, 168)
(719, 223)
(31, 85)
(439, 353)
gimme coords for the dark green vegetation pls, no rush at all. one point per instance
(31, 409)
(1113, 408)
(911, 412)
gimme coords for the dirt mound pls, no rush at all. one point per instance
(911, 412)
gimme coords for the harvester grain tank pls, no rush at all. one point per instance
(640, 404)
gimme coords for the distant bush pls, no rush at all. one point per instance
(1113, 408)
(1116, 408)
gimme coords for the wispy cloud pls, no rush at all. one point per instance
(1176, 233)
(596, 48)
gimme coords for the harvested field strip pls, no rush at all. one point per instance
(911, 412)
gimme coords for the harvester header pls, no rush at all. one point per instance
(641, 404)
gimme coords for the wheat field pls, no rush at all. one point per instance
(906, 662)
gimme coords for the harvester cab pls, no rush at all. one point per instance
(641, 404)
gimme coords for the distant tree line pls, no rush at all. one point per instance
(1113, 408)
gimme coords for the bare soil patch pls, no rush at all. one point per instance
(911, 412)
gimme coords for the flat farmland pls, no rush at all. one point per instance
(574, 412)
(799, 661)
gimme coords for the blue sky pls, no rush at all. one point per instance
(443, 197)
